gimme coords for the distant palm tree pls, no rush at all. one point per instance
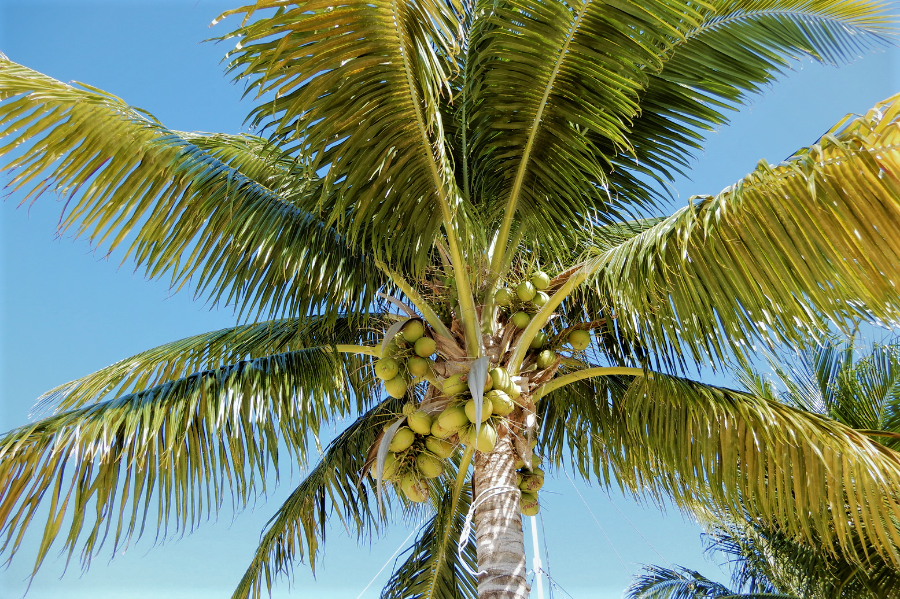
(862, 392)
(448, 189)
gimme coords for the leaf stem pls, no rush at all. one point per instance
(369, 350)
(587, 373)
(418, 301)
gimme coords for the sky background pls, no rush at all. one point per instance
(65, 310)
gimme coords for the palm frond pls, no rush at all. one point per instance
(738, 48)
(333, 486)
(656, 582)
(182, 445)
(770, 257)
(357, 88)
(217, 349)
(433, 569)
(182, 211)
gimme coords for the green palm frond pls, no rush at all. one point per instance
(771, 256)
(433, 568)
(183, 445)
(333, 486)
(181, 210)
(216, 349)
(546, 77)
(357, 88)
(739, 47)
(656, 582)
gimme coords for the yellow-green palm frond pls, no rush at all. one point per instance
(770, 257)
(176, 200)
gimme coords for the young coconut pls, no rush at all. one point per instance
(420, 422)
(412, 331)
(540, 299)
(546, 358)
(390, 467)
(415, 490)
(486, 409)
(396, 387)
(440, 448)
(526, 291)
(425, 347)
(487, 437)
(528, 504)
(386, 368)
(429, 466)
(579, 340)
(454, 385)
(532, 481)
(501, 404)
(453, 418)
(539, 340)
(540, 280)
(439, 431)
(499, 378)
(502, 297)
(402, 440)
(408, 408)
(520, 320)
(418, 366)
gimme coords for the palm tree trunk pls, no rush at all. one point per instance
(498, 525)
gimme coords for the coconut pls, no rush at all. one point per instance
(418, 366)
(420, 422)
(518, 479)
(440, 448)
(487, 437)
(514, 391)
(453, 418)
(412, 331)
(501, 404)
(499, 378)
(502, 297)
(415, 490)
(396, 387)
(540, 299)
(579, 340)
(439, 431)
(525, 291)
(386, 368)
(454, 384)
(391, 466)
(528, 504)
(540, 280)
(546, 358)
(532, 481)
(539, 340)
(430, 466)
(486, 409)
(408, 408)
(425, 347)
(520, 320)
(402, 439)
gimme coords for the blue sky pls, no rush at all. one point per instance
(66, 310)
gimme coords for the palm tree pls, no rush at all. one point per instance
(447, 196)
(863, 393)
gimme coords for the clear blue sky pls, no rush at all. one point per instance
(66, 311)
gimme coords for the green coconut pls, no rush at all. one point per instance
(502, 297)
(396, 387)
(420, 422)
(408, 408)
(532, 481)
(528, 505)
(425, 347)
(390, 467)
(499, 377)
(539, 340)
(518, 479)
(453, 418)
(429, 466)
(520, 320)
(440, 448)
(418, 366)
(487, 437)
(501, 404)
(546, 358)
(454, 385)
(579, 340)
(402, 439)
(412, 331)
(486, 409)
(439, 431)
(540, 299)
(514, 391)
(415, 490)
(526, 291)
(540, 280)
(386, 368)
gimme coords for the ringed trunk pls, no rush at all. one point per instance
(502, 566)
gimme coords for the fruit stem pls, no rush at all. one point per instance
(417, 300)
(586, 374)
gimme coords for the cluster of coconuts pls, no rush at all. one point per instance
(407, 356)
(530, 479)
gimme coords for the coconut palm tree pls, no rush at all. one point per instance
(463, 200)
(863, 393)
